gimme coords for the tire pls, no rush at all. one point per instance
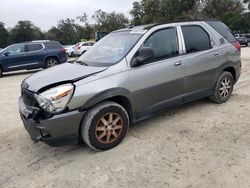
(83, 52)
(1, 71)
(51, 62)
(224, 88)
(102, 131)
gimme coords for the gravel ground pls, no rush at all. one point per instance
(199, 144)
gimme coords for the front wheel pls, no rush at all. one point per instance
(224, 88)
(104, 126)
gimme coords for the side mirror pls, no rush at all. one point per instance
(6, 53)
(143, 55)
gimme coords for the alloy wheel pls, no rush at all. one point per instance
(225, 87)
(52, 63)
(109, 128)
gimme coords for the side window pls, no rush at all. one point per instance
(196, 39)
(53, 45)
(164, 44)
(34, 47)
(16, 49)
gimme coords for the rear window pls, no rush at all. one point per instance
(34, 47)
(196, 39)
(53, 45)
(223, 30)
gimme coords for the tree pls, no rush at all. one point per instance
(107, 22)
(217, 8)
(65, 32)
(25, 31)
(137, 13)
(4, 35)
(155, 11)
(84, 29)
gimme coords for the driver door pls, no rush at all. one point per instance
(159, 83)
(14, 57)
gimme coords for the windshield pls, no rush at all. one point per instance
(110, 50)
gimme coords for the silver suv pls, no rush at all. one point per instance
(126, 77)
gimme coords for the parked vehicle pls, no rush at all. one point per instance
(69, 50)
(248, 37)
(242, 41)
(31, 55)
(83, 47)
(128, 76)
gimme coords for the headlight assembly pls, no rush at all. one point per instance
(55, 100)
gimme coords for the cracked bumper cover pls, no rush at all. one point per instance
(59, 130)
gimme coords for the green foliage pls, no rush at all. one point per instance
(107, 22)
(152, 11)
(65, 32)
(217, 8)
(4, 36)
(155, 11)
(25, 31)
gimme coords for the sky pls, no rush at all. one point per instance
(46, 13)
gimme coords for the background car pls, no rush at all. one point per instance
(82, 47)
(242, 41)
(248, 37)
(69, 50)
(31, 55)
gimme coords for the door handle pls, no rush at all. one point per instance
(178, 63)
(216, 53)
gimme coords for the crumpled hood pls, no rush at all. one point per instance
(66, 72)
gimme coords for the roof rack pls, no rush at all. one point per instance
(180, 20)
(40, 41)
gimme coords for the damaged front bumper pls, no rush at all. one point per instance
(58, 130)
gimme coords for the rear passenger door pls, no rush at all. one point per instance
(201, 59)
(35, 55)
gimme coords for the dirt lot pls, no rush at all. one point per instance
(200, 144)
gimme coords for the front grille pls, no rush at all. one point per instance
(28, 97)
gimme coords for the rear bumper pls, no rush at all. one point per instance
(59, 130)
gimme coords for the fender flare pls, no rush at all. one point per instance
(110, 93)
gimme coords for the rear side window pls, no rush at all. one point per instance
(34, 47)
(223, 30)
(196, 39)
(53, 45)
(164, 43)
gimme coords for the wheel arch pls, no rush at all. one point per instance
(2, 67)
(231, 70)
(119, 95)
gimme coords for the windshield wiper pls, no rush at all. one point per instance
(82, 63)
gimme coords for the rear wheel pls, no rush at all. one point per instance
(224, 88)
(104, 126)
(51, 62)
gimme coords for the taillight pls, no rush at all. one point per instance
(237, 45)
(63, 50)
